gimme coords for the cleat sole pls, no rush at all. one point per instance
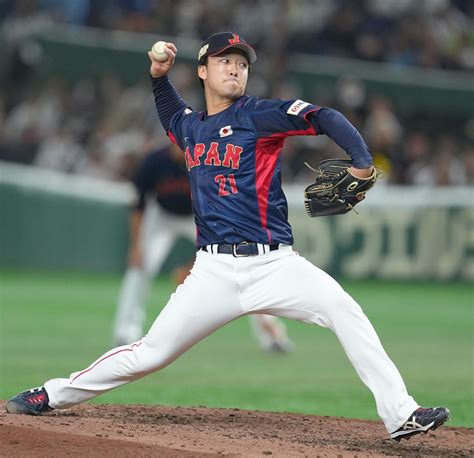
(14, 407)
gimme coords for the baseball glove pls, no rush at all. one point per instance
(335, 190)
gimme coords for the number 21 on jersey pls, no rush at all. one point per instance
(226, 184)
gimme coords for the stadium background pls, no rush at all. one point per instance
(77, 114)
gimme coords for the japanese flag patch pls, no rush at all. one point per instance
(297, 106)
(226, 131)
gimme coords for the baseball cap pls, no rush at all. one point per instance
(220, 42)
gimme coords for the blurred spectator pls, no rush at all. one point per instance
(29, 123)
(93, 164)
(427, 163)
(60, 151)
(468, 162)
(415, 157)
(448, 164)
(449, 29)
(383, 132)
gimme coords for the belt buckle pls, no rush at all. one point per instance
(234, 250)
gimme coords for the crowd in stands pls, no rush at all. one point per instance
(102, 128)
(426, 33)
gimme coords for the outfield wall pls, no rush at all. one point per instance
(55, 221)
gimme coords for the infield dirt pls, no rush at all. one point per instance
(157, 431)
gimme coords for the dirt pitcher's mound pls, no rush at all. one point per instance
(142, 431)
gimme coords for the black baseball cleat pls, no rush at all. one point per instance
(421, 420)
(30, 402)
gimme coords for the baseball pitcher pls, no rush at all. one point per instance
(245, 263)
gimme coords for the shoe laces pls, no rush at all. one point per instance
(35, 396)
(418, 418)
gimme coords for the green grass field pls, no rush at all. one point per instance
(53, 324)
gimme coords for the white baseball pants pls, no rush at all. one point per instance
(159, 231)
(221, 288)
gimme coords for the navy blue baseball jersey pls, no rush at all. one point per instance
(161, 175)
(234, 164)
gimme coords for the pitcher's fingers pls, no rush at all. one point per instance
(172, 47)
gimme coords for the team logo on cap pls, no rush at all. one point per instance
(234, 40)
(226, 131)
(202, 51)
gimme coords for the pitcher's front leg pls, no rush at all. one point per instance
(202, 304)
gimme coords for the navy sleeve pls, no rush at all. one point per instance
(167, 100)
(282, 118)
(144, 179)
(336, 126)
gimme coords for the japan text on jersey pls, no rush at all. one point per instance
(234, 164)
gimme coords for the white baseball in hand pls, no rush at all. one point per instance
(158, 51)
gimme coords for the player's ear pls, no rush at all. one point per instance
(202, 72)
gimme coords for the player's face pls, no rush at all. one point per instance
(225, 75)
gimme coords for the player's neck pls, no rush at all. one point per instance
(216, 104)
